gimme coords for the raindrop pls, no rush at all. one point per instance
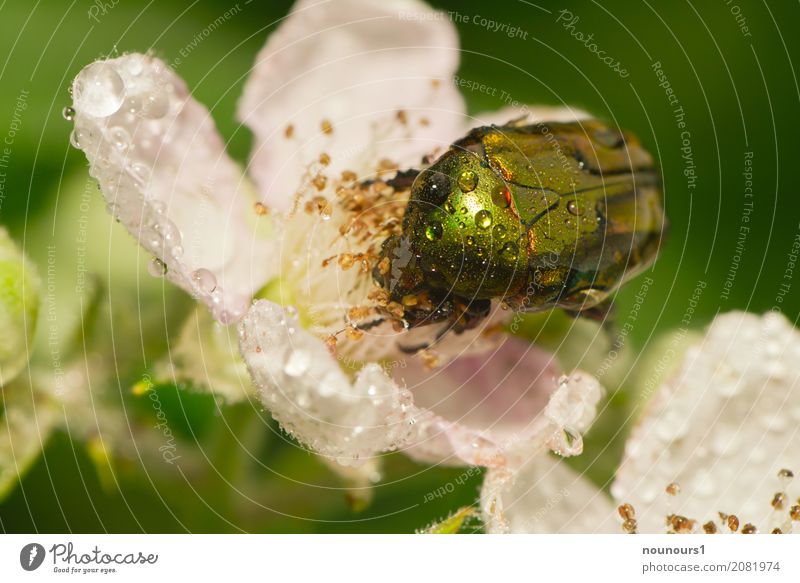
(499, 231)
(434, 231)
(99, 90)
(449, 207)
(501, 196)
(572, 207)
(510, 250)
(120, 138)
(298, 363)
(467, 181)
(483, 219)
(68, 113)
(75, 138)
(156, 267)
(155, 105)
(205, 280)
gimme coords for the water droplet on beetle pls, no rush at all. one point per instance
(572, 207)
(468, 181)
(509, 250)
(433, 231)
(483, 219)
(501, 196)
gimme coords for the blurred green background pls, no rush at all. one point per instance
(739, 93)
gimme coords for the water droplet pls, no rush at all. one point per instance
(205, 280)
(68, 113)
(509, 250)
(483, 219)
(499, 231)
(75, 138)
(155, 105)
(572, 207)
(501, 196)
(98, 90)
(140, 171)
(156, 267)
(470, 241)
(434, 231)
(449, 207)
(467, 181)
(461, 225)
(120, 137)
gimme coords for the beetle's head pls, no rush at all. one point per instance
(460, 232)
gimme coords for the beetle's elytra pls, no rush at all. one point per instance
(538, 216)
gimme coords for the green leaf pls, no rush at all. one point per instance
(19, 307)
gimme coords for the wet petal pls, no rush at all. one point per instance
(333, 77)
(544, 496)
(347, 420)
(721, 428)
(527, 114)
(163, 170)
(497, 408)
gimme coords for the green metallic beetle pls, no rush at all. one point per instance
(537, 216)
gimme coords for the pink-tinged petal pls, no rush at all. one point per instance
(301, 383)
(497, 408)
(721, 428)
(353, 64)
(163, 170)
(527, 114)
(544, 496)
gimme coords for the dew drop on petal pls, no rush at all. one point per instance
(297, 363)
(99, 90)
(205, 280)
(75, 138)
(155, 105)
(120, 138)
(68, 113)
(156, 267)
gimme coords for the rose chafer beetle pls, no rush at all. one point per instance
(537, 216)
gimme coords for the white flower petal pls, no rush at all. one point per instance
(354, 64)
(313, 399)
(492, 409)
(528, 115)
(721, 428)
(164, 173)
(544, 496)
